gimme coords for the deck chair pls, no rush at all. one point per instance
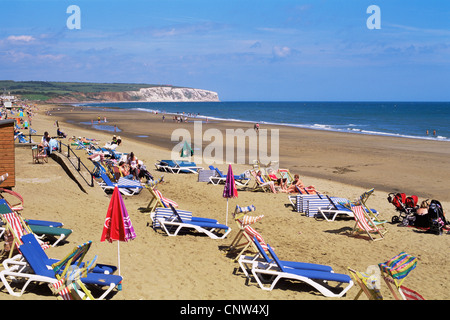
(394, 272)
(262, 260)
(371, 213)
(243, 241)
(39, 251)
(14, 206)
(158, 200)
(293, 198)
(240, 180)
(17, 227)
(39, 154)
(364, 224)
(36, 269)
(317, 279)
(176, 222)
(262, 185)
(177, 166)
(368, 284)
(334, 208)
(126, 187)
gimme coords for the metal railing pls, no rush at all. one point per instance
(78, 165)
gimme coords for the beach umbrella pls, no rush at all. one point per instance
(118, 226)
(230, 190)
(186, 151)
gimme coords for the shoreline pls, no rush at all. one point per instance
(382, 162)
(317, 127)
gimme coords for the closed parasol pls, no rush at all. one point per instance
(230, 190)
(118, 226)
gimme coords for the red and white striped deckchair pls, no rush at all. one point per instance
(164, 200)
(158, 200)
(61, 289)
(365, 224)
(244, 238)
(406, 293)
(18, 228)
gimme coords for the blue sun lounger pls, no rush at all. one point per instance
(262, 259)
(177, 166)
(42, 271)
(126, 186)
(177, 221)
(317, 279)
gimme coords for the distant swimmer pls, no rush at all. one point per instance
(434, 132)
(427, 132)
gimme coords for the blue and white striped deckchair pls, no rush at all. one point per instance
(167, 214)
(302, 205)
(126, 186)
(314, 205)
(185, 220)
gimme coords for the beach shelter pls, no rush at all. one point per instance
(118, 226)
(186, 151)
(230, 190)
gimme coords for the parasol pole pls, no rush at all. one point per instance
(226, 217)
(119, 286)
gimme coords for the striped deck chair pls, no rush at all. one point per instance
(405, 293)
(158, 200)
(394, 272)
(372, 213)
(364, 224)
(17, 228)
(176, 222)
(244, 238)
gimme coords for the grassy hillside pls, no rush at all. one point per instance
(45, 90)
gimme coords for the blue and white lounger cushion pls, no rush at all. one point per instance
(172, 221)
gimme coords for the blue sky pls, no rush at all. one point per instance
(242, 49)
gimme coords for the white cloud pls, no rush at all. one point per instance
(23, 38)
(281, 52)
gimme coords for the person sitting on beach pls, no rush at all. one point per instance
(263, 182)
(294, 184)
(124, 169)
(60, 133)
(114, 140)
(132, 161)
(281, 182)
(44, 137)
(119, 140)
(43, 147)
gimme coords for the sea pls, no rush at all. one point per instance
(417, 120)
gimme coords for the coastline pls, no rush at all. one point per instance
(389, 164)
(193, 267)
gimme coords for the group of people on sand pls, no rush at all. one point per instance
(134, 169)
(47, 144)
(281, 184)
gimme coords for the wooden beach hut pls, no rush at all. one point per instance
(7, 153)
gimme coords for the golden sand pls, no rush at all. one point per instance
(192, 267)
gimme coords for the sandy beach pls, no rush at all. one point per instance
(190, 267)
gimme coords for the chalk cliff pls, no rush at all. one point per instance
(173, 94)
(151, 94)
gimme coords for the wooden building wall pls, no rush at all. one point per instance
(7, 153)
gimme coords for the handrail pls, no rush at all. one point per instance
(79, 164)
